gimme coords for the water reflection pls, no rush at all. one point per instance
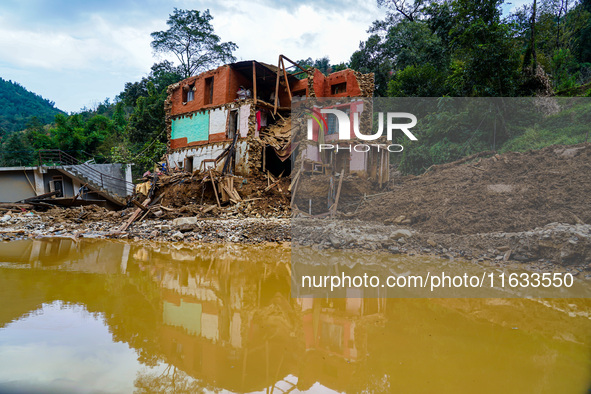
(221, 317)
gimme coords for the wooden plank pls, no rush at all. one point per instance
(333, 209)
(295, 185)
(145, 214)
(157, 199)
(40, 197)
(279, 186)
(272, 185)
(140, 206)
(209, 208)
(9, 205)
(292, 62)
(215, 191)
(294, 180)
(277, 85)
(135, 215)
(252, 199)
(254, 81)
(286, 80)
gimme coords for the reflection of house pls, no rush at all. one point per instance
(210, 326)
(330, 326)
(248, 102)
(97, 257)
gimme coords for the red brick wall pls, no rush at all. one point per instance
(323, 84)
(221, 78)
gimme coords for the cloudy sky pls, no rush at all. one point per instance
(79, 52)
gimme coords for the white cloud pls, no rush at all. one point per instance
(95, 45)
(263, 33)
(91, 55)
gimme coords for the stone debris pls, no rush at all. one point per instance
(554, 245)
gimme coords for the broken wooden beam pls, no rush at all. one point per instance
(272, 185)
(134, 215)
(333, 208)
(215, 190)
(140, 206)
(286, 80)
(254, 82)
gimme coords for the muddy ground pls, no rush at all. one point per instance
(529, 208)
(503, 193)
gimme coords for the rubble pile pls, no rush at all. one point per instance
(187, 229)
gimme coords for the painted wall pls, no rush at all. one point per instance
(66, 182)
(217, 121)
(207, 127)
(358, 161)
(244, 117)
(193, 128)
(14, 185)
(211, 151)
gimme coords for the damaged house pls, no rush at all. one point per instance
(236, 118)
(62, 180)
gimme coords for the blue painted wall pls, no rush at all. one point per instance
(195, 128)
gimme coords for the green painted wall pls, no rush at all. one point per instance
(187, 315)
(195, 128)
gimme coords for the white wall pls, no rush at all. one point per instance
(244, 115)
(211, 151)
(217, 121)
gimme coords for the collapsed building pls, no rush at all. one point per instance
(236, 119)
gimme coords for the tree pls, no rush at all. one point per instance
(484, 59)
(408, 9)
(191, 39)
(321, 64)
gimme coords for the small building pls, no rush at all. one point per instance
(66, 182)
(237, 117)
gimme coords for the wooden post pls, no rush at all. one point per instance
(215, 192)
(264, 157)
(286, 80)
(333, 209)
(277, 85)
(254, 82)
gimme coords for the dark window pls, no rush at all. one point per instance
(338, 88)
(189, 92)
(57, 185)
(208, 90)
(233, 123)
(333, 123)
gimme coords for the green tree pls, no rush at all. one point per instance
(373, 56)
(191, 39)
(322, 64)
(418, 81)
(16, 151)
(484, 58)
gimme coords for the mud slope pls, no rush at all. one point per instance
(510, 192)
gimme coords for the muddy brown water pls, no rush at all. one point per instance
(104, 316)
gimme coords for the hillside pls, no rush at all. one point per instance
(503, 193)
(18, 106)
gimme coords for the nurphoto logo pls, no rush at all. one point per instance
(345, 125)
